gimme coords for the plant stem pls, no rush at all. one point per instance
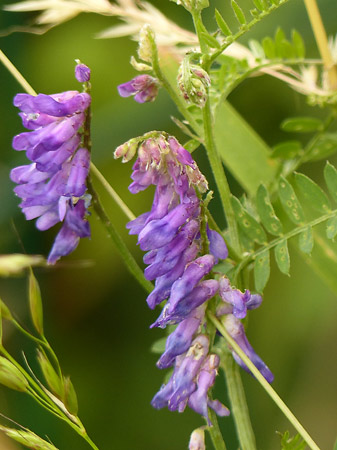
(322, 41)
(285, 236)
(177, 99)
(125, 253)
(16, 74)
(110, 190)
(238, 402)
(266, 386)
(220, 177)
(214, 431)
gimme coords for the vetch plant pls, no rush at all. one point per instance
(204, 279)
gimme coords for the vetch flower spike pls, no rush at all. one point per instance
(53, 187)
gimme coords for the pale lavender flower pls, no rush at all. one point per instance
(53, 187)
(144, 88)
(82, 73)
(235, 328)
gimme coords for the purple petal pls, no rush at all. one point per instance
(82, 73)
(76, 184)
(217, 245)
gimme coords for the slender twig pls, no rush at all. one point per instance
(266, 386)
(16, 74)
(322, 41)
(110, 190)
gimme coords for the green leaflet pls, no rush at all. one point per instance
(306, 241)
(247, 222)
(313, 193)
(290, 202)
(295, 443)
(238, 13)
(266, 212)
(222, 24)
(302, 124)
(331, 228)
(330, 176)
(269, 47)
(261, 270)
(287, 150)
(325, 146)
(158, 346)
(236, 142)
(298, 44)
(282, 257)
(210, 40)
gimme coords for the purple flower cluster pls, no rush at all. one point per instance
(144, 88)
(170, 234)
(235, 306)
(53, 186)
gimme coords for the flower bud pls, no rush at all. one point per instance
(70, 397)
(197, 440)
(11, 377)
(193, 82)
(82, 72)
(28, 439)
(193, 5)
(127, 150)
(146, 43)
(53, 380)
(141, 67)
(35, 303)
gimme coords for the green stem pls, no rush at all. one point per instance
(230, 39)
(113, 194)
(220, 177)
(16, 74)
(322, 41)
(276, 241)
(177, 99)
(214, 431)
(238, 402)
(125, 253)
(266, 386)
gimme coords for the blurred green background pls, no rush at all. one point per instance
(96, 315)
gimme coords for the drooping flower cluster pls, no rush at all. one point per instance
(171, 234)
(53, 186)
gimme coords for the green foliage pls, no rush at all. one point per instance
(287, 150)
(295, 443)
(302, 124)
(252, 225)
(222, 24)
(238, 13)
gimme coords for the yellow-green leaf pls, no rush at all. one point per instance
(261, 270)
(290, 202)
(282, 257)
(306, 240)
(330, 176)
(266, 212)
(248, 223)
(313, 193)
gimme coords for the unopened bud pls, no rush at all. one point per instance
(70, 397)
(35, 303)
(5, 312)
(197, 440)
(82, 72)
(193, 5)
(141, 67)
(146, 43)
(53, 380)
(127, 150)
(11, 377)
(28, 439)
(193, 82)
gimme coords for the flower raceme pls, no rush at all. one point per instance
(53, 187)
(172, 235)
